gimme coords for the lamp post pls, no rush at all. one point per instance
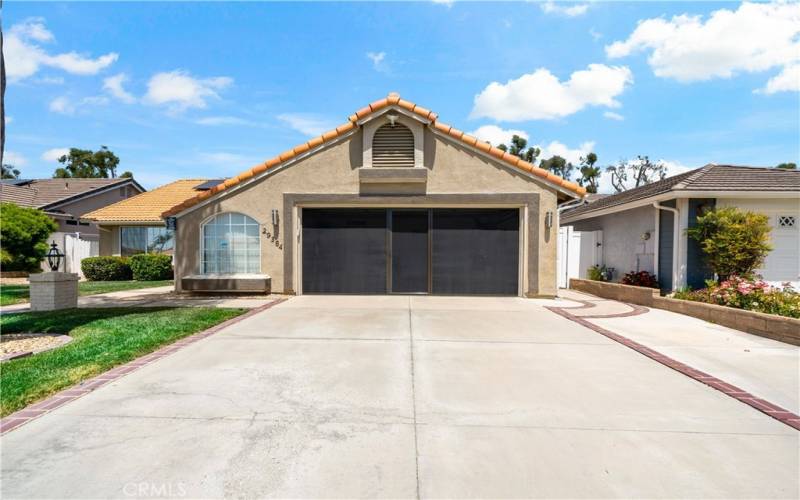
(54, 257)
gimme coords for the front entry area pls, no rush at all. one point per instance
(452, 251)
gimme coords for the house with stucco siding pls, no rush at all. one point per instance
(644, 229)
(391, 201)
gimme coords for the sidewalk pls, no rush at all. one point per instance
(764, 367)
(162, 296)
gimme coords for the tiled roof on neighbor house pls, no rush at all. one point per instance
(709, 178)
(46, 193)
(148, 207)
(353, 122)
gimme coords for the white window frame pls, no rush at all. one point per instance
(119, 238)
(202, 245)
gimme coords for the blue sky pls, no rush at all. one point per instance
(209, 89)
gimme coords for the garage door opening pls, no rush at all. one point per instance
(406, 251)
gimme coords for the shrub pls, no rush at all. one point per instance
(749, 294)
(642, 278)
(106, 268)
(734, 242)
(598, 273)
(23, 237)
(151, 267)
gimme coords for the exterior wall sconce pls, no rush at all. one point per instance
(548, 219)
(645, 236)
(274, 216)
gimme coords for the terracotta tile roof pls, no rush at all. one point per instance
(147, 207)
(709, 178)
(352, 123)
(46, 193)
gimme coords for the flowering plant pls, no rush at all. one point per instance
(750, 294)
(642, 278)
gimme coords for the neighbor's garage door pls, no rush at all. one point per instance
(472, 251)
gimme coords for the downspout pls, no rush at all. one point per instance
(675, 239)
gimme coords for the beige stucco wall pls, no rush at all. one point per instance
(85, 205)
(334, 170)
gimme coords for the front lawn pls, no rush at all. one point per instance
(103, 339)
(15, 294)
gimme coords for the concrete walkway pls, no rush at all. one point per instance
(405, 397)
(767, 368)
(161, 296)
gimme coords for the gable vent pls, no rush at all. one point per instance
(393, 146)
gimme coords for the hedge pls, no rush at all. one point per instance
(151, 267)
(106, 268)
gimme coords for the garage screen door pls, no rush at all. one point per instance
(441, 251)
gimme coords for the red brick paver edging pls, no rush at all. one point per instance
(59, 399)
(781, 414)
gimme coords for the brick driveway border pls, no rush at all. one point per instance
(59, 399)
(777, 412)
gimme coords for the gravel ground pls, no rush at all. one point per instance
(27, 342)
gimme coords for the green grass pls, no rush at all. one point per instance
(103, 338)
(16, 294)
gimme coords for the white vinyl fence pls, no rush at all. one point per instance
(577, 252)
(77, 247)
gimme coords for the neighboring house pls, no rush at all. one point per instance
(644, 229)
(67, 201)
(135, 225)
(392, 201)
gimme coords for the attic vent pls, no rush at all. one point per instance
(393, 146)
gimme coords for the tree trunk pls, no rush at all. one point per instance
(2, 94)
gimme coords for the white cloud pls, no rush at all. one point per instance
(114, 85)
(378, 61)
(223, 120)
(596, 35)
(613, 116)
(307, 123)
(564, 8)
(14, 158)
(9, 119)
(62, 105)
(179, 91)
(756, 37)
(787, 80)
(446, 3)
(66, 106)
(54, 154)
(573, 156)
(25, 56)
(495, 135)
(541, 96)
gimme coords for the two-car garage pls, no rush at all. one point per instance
(411, 250)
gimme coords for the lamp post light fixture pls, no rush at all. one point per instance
(54, 257)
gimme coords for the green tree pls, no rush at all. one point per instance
(590, 175)
(787, 166)
(641, 171)
(23, 237)
(85, 163)
(735, 242)
(558, 166)
(126, 174)
(518, 147)
(9, 172)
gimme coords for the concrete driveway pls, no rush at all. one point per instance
(404, 397)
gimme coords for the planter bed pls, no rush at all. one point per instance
(770, 326)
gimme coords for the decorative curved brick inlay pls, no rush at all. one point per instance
(59, 399)
(778, 413)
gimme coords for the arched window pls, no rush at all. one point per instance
(231, 245)
(393, 146)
